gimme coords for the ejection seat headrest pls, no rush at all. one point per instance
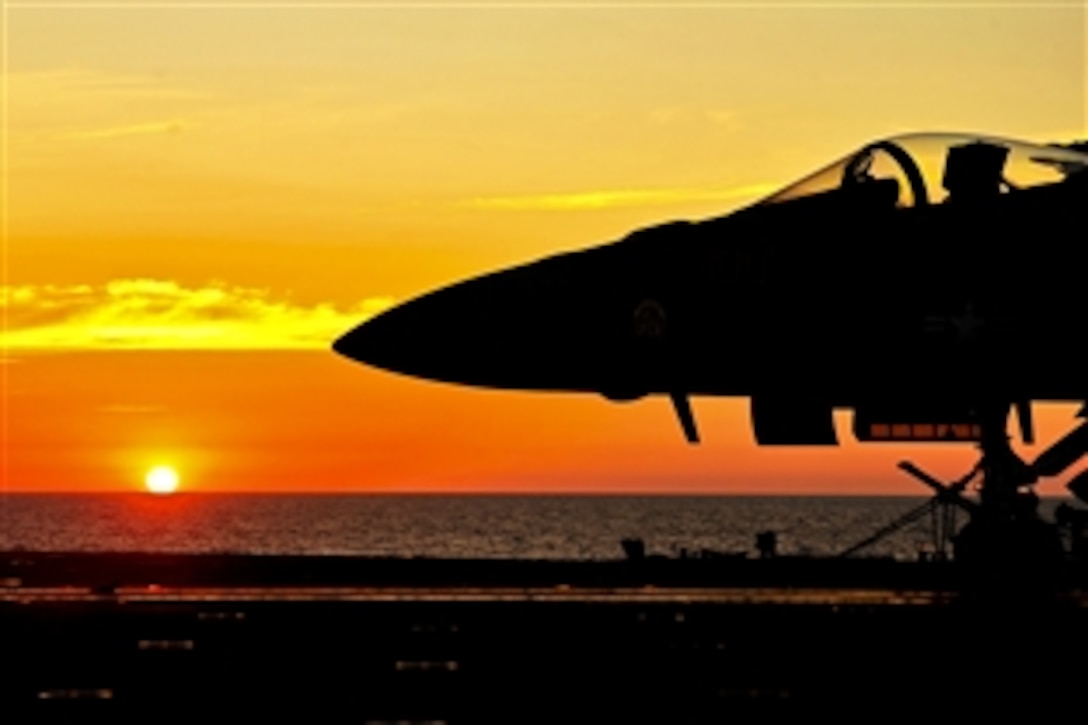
(974, 170)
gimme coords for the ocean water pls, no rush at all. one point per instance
(547, 527)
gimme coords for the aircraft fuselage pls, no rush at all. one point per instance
(842, 298)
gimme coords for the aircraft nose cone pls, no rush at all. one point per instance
(509, 329)
(359, 344)
(451, 334)
(393, 340)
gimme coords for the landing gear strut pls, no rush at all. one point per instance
(1005, 535)
(1005, 530)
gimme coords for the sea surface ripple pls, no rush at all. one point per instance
(558, 527)
(456, 526)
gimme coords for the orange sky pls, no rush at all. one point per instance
(200, 199)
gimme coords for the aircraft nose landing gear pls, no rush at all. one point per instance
(1005, 539)
(1005, 536)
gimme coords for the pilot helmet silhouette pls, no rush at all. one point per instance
(974, 171)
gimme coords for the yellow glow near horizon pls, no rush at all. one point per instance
(155, 314)
(162, 480)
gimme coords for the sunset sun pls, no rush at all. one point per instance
(161, 480)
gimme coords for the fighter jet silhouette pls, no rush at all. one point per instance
(929, 282)
(917, 281)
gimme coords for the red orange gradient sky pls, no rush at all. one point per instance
(200, 197)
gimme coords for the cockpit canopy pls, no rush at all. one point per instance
(935, 168)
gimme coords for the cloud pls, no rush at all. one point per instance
(83, 104)
(592, 200)
(58, 85)
(138, 129)
(725, 119)
(154, 314)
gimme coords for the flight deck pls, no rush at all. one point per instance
(433, 641)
